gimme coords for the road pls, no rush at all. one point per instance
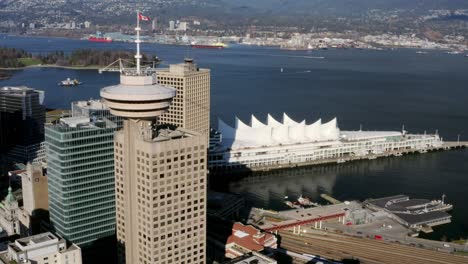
(335, 246)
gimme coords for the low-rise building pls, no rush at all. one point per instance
(413, 213)
(9, 210)
(246, 238)
(42, 249)
(252, 257)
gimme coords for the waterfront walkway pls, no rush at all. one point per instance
(448, 145)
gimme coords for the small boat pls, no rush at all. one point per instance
(421, 52)
(69, 82)
(304, 201)
(341, 161)
(281, 69)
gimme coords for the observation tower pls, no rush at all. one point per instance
(138, 96)
(158, 173)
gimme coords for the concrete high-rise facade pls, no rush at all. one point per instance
(35, 199)
(160, 175)
(22, 117)
(34, 188)
(190, 108)
(80, 159)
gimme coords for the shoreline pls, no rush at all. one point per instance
(53, 66)
(376, 46)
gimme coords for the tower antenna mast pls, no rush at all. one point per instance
(138, 41)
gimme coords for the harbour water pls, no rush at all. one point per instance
(380, 90)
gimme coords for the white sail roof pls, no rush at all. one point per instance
(272, 122)
(276, 133)
(255, 123)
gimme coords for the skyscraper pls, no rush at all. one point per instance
(190, 108)
(35, 199)
(80, 158)
(160, 175)
(22, 117)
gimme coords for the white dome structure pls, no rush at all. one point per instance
(276, 133)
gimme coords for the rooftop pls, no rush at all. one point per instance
(91, 104)
(76, 121)
(15, 89)
(252, 258)
(164, 134)
(272, 220)
(250, 237)
(419, 219)
(36, 240)
(137, 92)
(365, 135)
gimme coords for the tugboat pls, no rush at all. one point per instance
(302, 202)
(69, 82)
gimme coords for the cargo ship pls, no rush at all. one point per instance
(218, 45)
(100, 39)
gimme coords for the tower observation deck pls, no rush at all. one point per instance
(138, 96)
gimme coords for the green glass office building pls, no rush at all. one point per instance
(80, 160)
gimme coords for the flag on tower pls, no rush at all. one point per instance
(142, 17)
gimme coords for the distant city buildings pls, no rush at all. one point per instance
(190, 107)
(22, 117)
(81, 174)
(154, 24)
(42, 249)
(183, 26)
(178, 25)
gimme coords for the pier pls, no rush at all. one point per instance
(448, 145)
(329, 198)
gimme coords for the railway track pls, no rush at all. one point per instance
(366, 250)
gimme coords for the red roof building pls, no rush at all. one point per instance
(246, 238)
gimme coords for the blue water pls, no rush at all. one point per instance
(382, 90)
